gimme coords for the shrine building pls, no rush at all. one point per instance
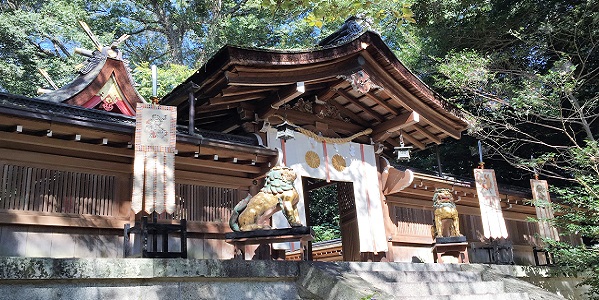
(67, 156)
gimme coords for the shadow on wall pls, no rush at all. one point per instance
(59, 242)
(562, 285)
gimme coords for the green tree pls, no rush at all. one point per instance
(324, 213)
(168, 77)
(38, 35)
(527, 73)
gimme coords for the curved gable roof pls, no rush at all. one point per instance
(359, 83)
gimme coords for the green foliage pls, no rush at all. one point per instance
(324, 213)
(580, 261)
(168, 77)
(525, 72)
(321, 12)
(326, 232)
(38, 35)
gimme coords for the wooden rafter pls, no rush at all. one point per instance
(350, 114)
(242, 90)
(382, 103)
(212, 114)
(359, 104)
(405, 98)
(380, 136)
(236, 99)
(212, 108)
(213, 87)
(429, 135)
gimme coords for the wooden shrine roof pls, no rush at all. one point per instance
(68, 130)
(239, 88)
(104, 83)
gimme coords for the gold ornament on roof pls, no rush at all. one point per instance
(339, 162)
(312, 159)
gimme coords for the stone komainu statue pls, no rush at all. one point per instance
(278, 193)
(445, 208)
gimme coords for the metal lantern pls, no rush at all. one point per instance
(285, 131)
(403, 152)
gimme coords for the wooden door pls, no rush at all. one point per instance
(350, 238)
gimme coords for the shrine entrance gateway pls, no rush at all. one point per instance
(347, 162)
(346, 210)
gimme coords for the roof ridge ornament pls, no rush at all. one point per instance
(353, 26)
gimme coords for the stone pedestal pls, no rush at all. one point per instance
(457, 250)
(240, 240)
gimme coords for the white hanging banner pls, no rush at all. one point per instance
(347, 162)
(154, 165)
(490, 204)
(542, 200)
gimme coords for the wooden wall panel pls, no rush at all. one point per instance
(39, 189)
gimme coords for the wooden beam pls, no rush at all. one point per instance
(64, 144)
(272, 78)
(299, 118)
(349, 113)
(235, 99)
(397, 123)
(427, 134)
(212, 108)
(216, 165)
(363, 107)
(380, 136)
(402, 96)
(383, 103)
(280, 97)
(327, 94)
(74, 163)
(213, 88)
(63, 220)
(242, 90)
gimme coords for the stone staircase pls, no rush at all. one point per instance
(418, 281)
(424, 281)
(190, 279)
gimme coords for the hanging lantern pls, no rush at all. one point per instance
(403, 151)
(285, 131)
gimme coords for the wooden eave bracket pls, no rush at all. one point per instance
(380, 131)
(278, 98)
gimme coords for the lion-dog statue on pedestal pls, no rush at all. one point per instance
(445, 208)
(278, 193)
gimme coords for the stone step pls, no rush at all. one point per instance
(502, 296)
(419, 276)
(442, 288)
